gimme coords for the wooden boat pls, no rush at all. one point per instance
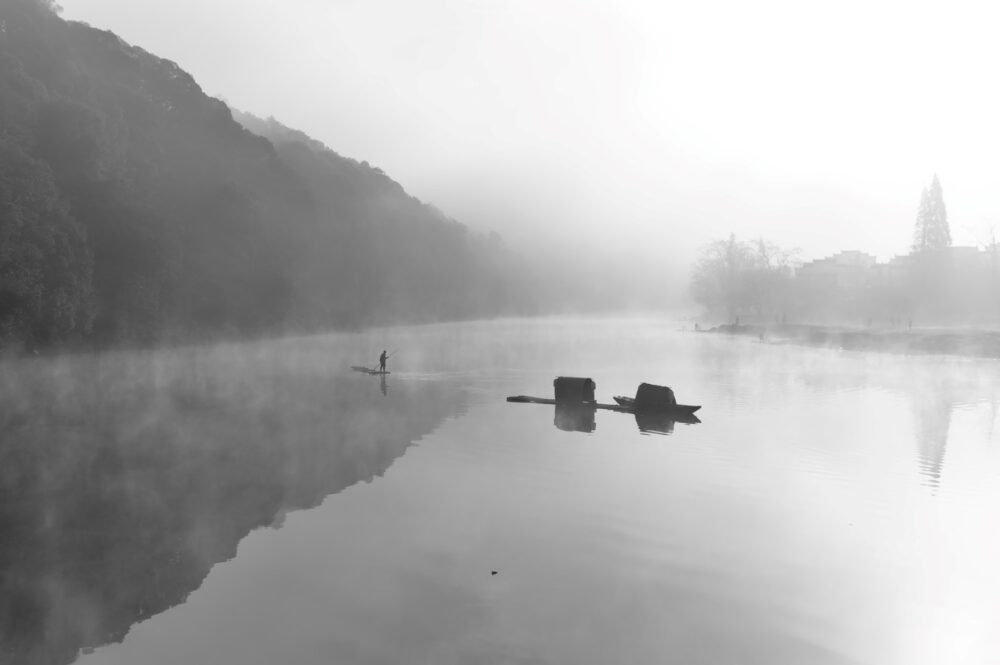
(680, 409)
(369, 370)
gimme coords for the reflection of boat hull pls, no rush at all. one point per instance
(368, 370)
(662, 423)
(665, 410)
(580, 417)
(575, 418)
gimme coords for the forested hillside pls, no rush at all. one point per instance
(135, 208)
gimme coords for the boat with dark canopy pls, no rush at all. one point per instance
(651, 398)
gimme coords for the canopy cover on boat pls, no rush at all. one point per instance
(649, 396)
(572, 390)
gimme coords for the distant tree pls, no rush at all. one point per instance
(714, 282)
(734, 277)
(931, 230)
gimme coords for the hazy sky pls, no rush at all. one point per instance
(651, 127)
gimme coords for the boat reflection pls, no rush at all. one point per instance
(582, 418)
(575, 417)
(661, 423)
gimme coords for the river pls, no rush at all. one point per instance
(260, 503)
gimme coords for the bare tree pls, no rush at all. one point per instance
(734, 277)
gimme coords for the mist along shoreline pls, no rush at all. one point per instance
(980, 343)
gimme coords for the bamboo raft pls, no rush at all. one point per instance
(369, 370)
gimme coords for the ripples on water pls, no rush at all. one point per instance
(259, 503)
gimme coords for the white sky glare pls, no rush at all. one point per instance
(645, 127)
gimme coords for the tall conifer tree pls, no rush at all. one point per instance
(931, 230)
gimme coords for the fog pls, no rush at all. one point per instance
(644, 129)
(200, 462)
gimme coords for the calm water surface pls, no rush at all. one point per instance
(261, 504)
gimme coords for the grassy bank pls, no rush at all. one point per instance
(964, 341)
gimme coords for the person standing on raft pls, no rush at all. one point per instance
(381, 362)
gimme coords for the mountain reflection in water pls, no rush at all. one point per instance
(125, 477)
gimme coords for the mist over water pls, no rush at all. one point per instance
(205, 504)
(127, 476)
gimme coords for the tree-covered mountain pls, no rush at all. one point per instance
(407, 257)
(134, 207)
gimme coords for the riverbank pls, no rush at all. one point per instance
(964, 342)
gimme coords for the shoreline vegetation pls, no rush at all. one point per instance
(973, 342)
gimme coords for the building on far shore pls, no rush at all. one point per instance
(852, 269)
(846, 270)
(942, 284)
